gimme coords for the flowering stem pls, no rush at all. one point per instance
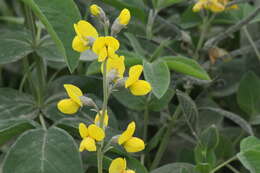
(100, 159)
(202, 36)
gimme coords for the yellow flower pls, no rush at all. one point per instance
(97, 119)
(118, 165)
(95, 10)
(212, 5)
(124, 17)
(86, 34)
(73, 103)
(136, 86)
(130, 143)
(90, 135)
(105, 47)
(116, 63)
(225, 2)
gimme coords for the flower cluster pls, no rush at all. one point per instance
(113, 70)
(216, 6)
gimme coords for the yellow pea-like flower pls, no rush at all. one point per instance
(124, 17)
(116, 63)
(89, 136)
(95, 10)
(212, 5)
(97, 118)
(86, 34)
(118, 165)
(72, 104)
(130, 143)
(136, 86)
(105, 47)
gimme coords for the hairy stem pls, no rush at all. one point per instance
(223, 164)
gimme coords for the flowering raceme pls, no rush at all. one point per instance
(86, 35)
(118, 165)
(73, 103)
(136, 86)
(130, 143)
(90, 135)
(105, 47)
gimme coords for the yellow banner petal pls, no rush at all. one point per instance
(127, 134)
(68, 106)
(96, 132)
(134, 144)
(141, 87)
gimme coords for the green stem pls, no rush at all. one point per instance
(165, 139)
(100, 160)
(202, 37)
(146, 120)
(232, 168)
(251, 42)
(41, 78)
(42, 122)
(223, 164)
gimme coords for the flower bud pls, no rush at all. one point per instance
(95, 10)
(121, 21)
(87, 101)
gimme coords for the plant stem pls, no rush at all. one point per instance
(100, 160)
(165, 139)
(251, 42)
(42, 122)
(202, 36)
(146, 120)
(223, 164)
(232, 168)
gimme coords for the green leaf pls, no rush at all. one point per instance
(130, 101)
(210, 138)
(233, 117)
(159, 104)
(135, 44)
(249, 154)
(136, 165)
(175, 168)
(16, 105)
(186, 66)
(158, 75)
(155, 139)
(13, 127)
(188, 106)
(48, 50)
(14, 45)
(248, 96)
(59, 25)
(50, 151)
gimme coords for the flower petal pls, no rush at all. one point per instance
(134, 74)
(130, 171)
(74, 93)
(68, 106)
(198, 6)
(134, 144)
(83, 130)
(85, 29)
(95, 10)
(124, 17)
(141, 87)
(118, 165)
(105, 118)
(102, 55)
(127, 134)
(112, 42)
(88, 144)
(98, 45)
(78, 45)
(96, 132)
(116, 63)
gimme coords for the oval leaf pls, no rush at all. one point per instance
(186, 66)
(51, 151)
(59, 21)
(158, 75)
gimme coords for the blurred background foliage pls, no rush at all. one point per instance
(202, 106)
